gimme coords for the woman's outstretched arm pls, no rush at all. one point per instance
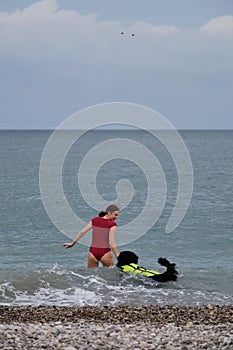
(79, 235)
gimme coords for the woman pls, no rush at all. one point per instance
(103, 238)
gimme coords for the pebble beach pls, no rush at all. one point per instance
(119, 327)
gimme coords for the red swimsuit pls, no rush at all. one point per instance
(100, 236)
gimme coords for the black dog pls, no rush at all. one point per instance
(128, 262)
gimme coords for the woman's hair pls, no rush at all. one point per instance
(102, 213)
(111, 208)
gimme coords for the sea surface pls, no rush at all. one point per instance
(36, 270)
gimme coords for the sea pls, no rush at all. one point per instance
(35, 269)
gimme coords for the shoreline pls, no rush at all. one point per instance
(119, 314)
(116, 327)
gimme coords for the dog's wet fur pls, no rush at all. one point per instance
(128, 257)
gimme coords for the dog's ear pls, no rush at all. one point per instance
(133, 258)
(126, 258)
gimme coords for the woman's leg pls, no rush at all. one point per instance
(107, 259)
(92, 261)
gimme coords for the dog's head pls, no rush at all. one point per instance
(126, 258)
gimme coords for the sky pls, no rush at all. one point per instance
(60, 56)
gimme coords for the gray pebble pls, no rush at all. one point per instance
(121, 327)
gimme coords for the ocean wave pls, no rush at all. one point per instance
(68, 287)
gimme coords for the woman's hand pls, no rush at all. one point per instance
(68, 245)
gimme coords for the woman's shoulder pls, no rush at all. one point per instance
(97, 220)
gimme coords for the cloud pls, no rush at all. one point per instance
(145, 29)
(221, 25)
(45, 48)
(40, 11)
(43, 31)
